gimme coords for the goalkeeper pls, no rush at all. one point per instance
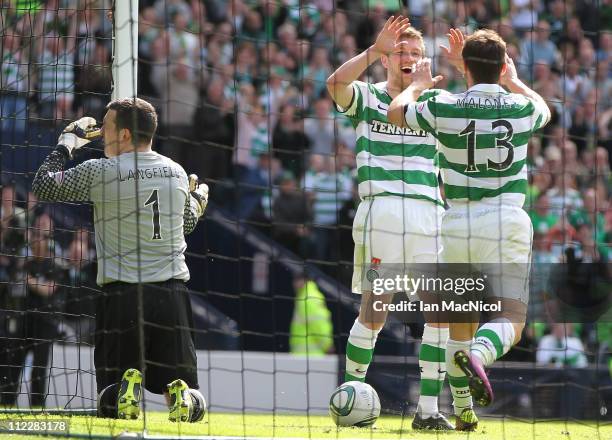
(144, 203)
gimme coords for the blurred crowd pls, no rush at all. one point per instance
(240, 88)
(47, 291)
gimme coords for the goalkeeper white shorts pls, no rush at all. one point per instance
(495, 239)
(390, 232)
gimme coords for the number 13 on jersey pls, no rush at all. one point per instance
(504, 142)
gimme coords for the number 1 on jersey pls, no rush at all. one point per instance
(470, 131)
(154, 201)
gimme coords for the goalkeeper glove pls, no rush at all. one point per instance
(199, 192)
(78, 134)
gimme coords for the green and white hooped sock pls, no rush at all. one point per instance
(432, 363)
(493, 340)
(359, 351)
(458, 381)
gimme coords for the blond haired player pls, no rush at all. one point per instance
(397, 222)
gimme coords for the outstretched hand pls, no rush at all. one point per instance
(456, 40)
(385, 42)
(421, 77)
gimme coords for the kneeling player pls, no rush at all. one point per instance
(144, 203)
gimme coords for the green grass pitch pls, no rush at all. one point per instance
(319, 427)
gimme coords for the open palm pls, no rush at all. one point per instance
(456, 39)
(385, 42)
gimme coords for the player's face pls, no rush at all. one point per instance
(402, 60)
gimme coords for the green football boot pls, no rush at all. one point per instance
(181, 405)
(130, 390)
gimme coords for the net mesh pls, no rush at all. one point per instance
(240, 90)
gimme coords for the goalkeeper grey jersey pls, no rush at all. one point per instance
(142, 209)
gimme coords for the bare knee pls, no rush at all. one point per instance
(372, 315)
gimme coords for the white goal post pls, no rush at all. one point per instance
(125, 48)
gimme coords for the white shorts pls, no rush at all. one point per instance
(496, 238)
(391, 231)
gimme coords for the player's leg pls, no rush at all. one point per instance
(363, 336)
(117, 353)
(457, 247)
(432, 366)
(364, 332)
(509, 246)
(422, 246)
(492, 340)
(171, 356)
(461, 335)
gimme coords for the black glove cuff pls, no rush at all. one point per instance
(198, 197)
(64, 150)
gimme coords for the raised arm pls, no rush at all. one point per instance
(511, 81)
(339, 82)
(54, 184)
(421, 81)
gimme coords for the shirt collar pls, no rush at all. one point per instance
(488, 88)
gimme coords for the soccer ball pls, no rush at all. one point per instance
(354, 404)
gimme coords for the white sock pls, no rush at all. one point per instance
(359, 351)
(493, 340)
(432, 363)
(457, 379)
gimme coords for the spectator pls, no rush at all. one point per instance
(289, 142)
(524, 13)
(592, 216)
(563, 196)
(541, 218)
(329, 190)
(252, 137)
(96, 82)
(573, 34)
(292, 212)
(604, 50)
(274, 15)
(213, 129)
(320, 128)
(13, 224)
(573, 83)
(244, 64)
(252, 29)
(537, 49)
(369, 26)
(56, 75)
(14, 84)
(181, 39)
(177, 85)
(273, 92)
(80, 292)
(556, 17)
(311, 332)
(561, 348)
(317, 70)
(35, 329)
(167, 9)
